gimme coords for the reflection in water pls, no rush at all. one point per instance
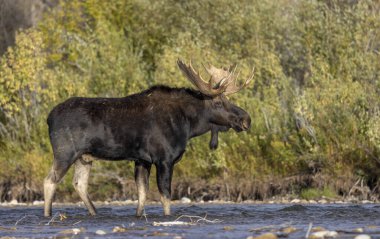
(238, 221)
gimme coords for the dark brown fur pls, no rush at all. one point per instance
(151, 127)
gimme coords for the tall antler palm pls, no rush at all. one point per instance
(229, 73)
(222, 80)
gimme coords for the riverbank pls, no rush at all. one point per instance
(323, 188)
(187, 201)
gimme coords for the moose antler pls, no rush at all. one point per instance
(217, 73)
(195, 78)
(222, 80)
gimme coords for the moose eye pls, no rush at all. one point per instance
(218, 104)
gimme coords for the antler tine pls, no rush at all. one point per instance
(233, 73)
(223, 83)
(206, 69)
(250, 78)
(235, 88)
(237, 76)
(197, 72)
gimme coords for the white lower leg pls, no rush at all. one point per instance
(166, 205)
(80, 182)
(49, 190)
(141, 189)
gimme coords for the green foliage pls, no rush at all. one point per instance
(315, 193)
(314, 103)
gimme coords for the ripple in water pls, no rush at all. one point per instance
(238, 221)
(294, 208)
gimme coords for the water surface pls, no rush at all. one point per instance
(230, 221)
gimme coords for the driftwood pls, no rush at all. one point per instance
(194, 220)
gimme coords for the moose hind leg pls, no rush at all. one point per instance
(142, 172)
(57, 171)
(164, 179)
(50, 185)
(80, 181)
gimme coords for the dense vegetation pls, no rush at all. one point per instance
(315, 101)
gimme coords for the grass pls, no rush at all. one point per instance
(315, 193)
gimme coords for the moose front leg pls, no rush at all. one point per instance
(142, 172)
(164, 180)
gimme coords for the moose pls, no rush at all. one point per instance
(150, 127)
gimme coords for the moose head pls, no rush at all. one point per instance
(221, 112)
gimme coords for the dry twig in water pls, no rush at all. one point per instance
(199, 219)
(193, 221)
(77, 223)
(144, 214)
(173, 223)
(25, 216)
(309, 230)
(52, 219)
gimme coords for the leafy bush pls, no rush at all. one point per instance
(314, 102)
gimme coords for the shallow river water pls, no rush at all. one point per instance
(223, 221)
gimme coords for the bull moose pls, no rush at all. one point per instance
(150, 127)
